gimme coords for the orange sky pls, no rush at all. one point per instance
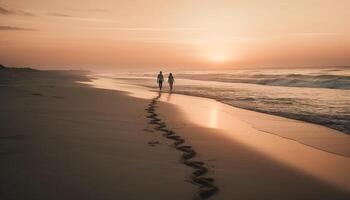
(175, 34)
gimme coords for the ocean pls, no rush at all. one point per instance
(320, 96)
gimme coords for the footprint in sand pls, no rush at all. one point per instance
(153, 143)
(57, 97)
(148, 130)
(37, 94)
(199, 176)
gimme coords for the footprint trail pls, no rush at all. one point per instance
(206, 186)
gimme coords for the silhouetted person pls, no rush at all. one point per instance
(160, 80)
(171, 81)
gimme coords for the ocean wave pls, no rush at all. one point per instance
(288, 80)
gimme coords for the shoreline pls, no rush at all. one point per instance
(295, 116)
(337, 133)
(343, 131)
(269, 113)
(274, 133)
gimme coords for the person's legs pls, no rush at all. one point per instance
(160, 85)
(171, 86)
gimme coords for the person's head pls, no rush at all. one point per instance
(171, 74)
(160, 72)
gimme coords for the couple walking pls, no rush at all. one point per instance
(160, 80)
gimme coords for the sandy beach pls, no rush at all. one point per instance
(62, 140)
(65, 135)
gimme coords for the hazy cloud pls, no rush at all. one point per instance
(88, 19)
(70, 17)
(24, 13)
(102, 10)
(59, 15)
(151, 29)
(311, 34)
(13, 28)
(5, 11)
(98, 10)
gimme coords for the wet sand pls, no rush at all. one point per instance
(61, 139)
(249, 163)
(274, 146)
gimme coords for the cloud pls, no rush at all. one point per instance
(88, 19)
(150, 29)
(24, 13)
(98, 10)
(59, 15)
(70, 17)
(312, 34)
(14, 28)
(5, 11)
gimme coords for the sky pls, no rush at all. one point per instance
(174, 34)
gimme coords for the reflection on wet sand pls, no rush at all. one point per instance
(169, 96)
(234, 124)
(213, 117)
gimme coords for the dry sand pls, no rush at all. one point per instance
(64, 140)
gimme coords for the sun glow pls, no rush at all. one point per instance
(219, 57)
(215, 50)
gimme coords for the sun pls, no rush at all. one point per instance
(216, 53)
(218, 57)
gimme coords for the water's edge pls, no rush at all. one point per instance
(300, 117)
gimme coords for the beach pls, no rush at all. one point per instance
(69, 135)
